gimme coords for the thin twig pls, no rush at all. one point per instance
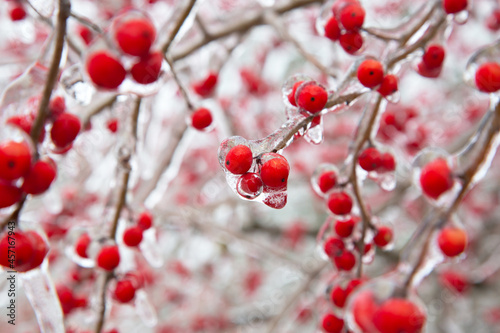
(177, 26)
(98, 108)
(241, 26)
(468, 177)
(121, 202)
(183, 90)
(87, 22)
(293, 299)
(272, 19)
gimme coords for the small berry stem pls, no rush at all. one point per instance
(177, 26)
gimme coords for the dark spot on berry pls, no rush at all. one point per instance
(353, 14)
(312, 99)
(227, 162)
(11, 164)
(283, 180)
(371, 73)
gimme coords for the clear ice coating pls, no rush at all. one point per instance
(75, 85)
(150, 248)
(41, 293)
(272, 197)
(145, 309)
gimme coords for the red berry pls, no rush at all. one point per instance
(488, 77)
(291, 95)
(383, 236)
(397, 315)
(387, 162)
(334, 247)
(147, 69)
(338, 296)
(274, 173)
(351, 42)
(65, 130)
(352, 17)
(436, 178)
(30, 250)
(312, 97)
(363, 310)
(205, 87)
(23, 250)
(40, 177)
(431, 73)
(239, 159)
(370, 73)
(15, 160)
(201, 118)
(132, 236)
(23, 122)
(340, 203)
(452, 241)
(124, 291)
(346, 261)
(454, 6)
(327, 180)
(57, 106)
(9, 194)
(433, 56)
(112, 125)
(85, 33)
(105, 70)
(66, 298)
(250, 184)
(389, 85)
(145, 220)
(332, 29)
(353, 284)
(455, 281)
(40, 249)
(82, 245)
(108, 257)
(493, 21)
(17, 12)
(135, 36)
(344, 228)
(332, 324)
(370, 159)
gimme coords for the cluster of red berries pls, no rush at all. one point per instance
(29, 247)
(69, 301)
(371, 74)
(270, 174)
(337, 247)
(65, 125)
(339, 202)
(488, 77)
(432, 61)
(391, 315)
(332, 323)
(343, 25)
(133, 235)
(134, 35)
(16, 163)
(371, 159)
